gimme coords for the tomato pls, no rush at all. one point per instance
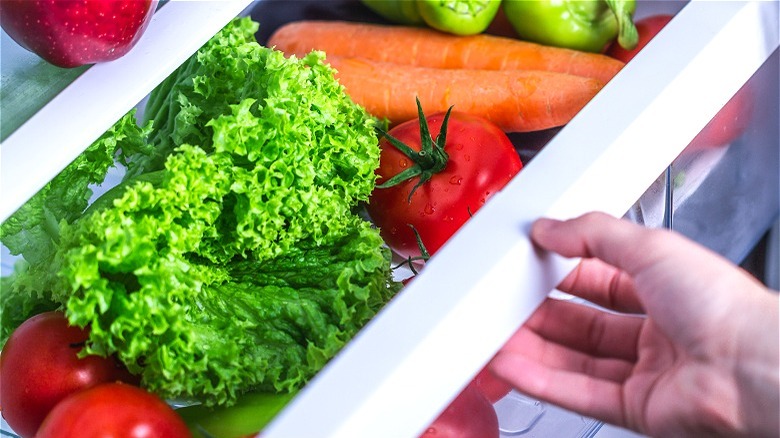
(114, 410)
(491, 387)
(39, 367)
(470, 415)
(458, 173)
(647, 28)
(728, 124)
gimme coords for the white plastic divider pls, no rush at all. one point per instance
(52, 138)
(409, 362)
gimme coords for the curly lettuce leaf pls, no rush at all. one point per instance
(209, 333)
(231, 257)
(33, 231)
(290, 123)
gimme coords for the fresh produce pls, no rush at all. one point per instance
(385, 67)
(70, 33)
(646, 28)
(491, 387)
(459, 17)
(515, 101)
(40, 366)
(469, 415)
(251, 413)
(588, 25)
(435, 173)
(397, 11)
(728, 124)
(427, 48)
(113, 410)
(231, 257)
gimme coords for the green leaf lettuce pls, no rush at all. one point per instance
(231, 257)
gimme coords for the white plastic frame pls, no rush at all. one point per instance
(395, 377)
(52, 138)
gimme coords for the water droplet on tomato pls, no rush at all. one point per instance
(403, 163)
(456, 180)
(429, 209)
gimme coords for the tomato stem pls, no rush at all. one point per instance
(429, 160)
(424, 255)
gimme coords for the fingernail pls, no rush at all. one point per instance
(541, 228)
(544, 224)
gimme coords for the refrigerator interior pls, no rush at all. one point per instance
(725, 197)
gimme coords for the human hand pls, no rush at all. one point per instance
(689, 346)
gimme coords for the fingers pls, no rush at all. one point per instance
(626, 246)
(668, 276)
(604, 285)
(553, 355)
(596, 235)
(593, 397)
(586, 329)
(573, 355)
(607, 246)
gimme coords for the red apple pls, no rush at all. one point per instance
(70, 33)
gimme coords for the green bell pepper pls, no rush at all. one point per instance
(587, 25)
(397, 11)
(459, 17)
(251, 413)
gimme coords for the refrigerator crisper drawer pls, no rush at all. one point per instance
(488, 279)
(625, 154)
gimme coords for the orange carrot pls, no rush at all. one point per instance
(515, 100)
(425, 47)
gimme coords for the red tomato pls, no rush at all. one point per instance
(729, 123)
(470, 415)
(647, 28)
(113, 410)
(39, 367)
(480, 159)
(491, 387)
(733, 118)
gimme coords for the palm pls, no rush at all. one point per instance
(703, 362)
(669, 383)
(622, 368)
